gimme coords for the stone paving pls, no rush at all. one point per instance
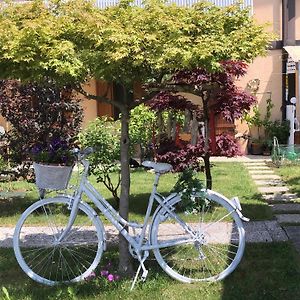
(277, 194)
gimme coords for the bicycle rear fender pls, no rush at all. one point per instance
(174, 198)
(233, 202)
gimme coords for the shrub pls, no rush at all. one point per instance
(141, 125)
(226, 146)
(3, 164)
(103, 134)
(38, 114)
(279, 129)
(181, 156)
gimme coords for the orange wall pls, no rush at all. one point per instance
(269, 11)
(297, 20)
(268, 71)
(89, 106)
(3, 123)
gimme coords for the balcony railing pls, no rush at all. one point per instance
(106, 3)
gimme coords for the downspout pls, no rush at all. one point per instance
(284, 57)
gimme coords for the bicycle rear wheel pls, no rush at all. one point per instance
(49, 261)
(205, 245)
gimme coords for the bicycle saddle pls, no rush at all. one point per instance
(157, 167)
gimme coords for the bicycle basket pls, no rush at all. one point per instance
(52, 177)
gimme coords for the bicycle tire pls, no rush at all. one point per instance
(50, 262)
(214, 249)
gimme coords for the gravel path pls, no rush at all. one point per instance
(256, 232)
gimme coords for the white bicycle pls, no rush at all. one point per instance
(206, 245)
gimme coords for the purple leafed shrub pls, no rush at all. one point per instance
(167, 100)
(219, 95)
(181, 158)
(40, 115)
(228, 99)
(226, 146)
(188, 156)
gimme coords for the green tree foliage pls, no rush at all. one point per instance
(70, 40)
(141, 126)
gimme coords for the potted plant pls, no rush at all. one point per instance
(53, 163)
(267, 146)
(256, 146)
(255, 120)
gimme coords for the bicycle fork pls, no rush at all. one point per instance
(73, 205)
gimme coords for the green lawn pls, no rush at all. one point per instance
(291, 175)
(267, 271)
(230, 179)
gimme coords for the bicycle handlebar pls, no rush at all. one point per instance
(83, 153)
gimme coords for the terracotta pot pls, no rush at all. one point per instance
(256, 148)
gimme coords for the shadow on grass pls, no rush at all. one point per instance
(267, 271)
(16, 205)
(259, 211)
(138, 205)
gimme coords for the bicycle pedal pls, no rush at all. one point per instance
(144, 275)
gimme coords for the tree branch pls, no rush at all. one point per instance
(103, 99)
(187, 88)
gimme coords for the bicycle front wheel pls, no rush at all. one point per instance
(42, 255)
(205, 244)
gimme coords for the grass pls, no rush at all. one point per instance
(291, 176)
(267, 271)
(230, 179)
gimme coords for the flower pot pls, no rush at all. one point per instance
(52, 177)
(256, 148)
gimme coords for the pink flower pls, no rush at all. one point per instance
(110, 277)
(104, 273)
(91, 276)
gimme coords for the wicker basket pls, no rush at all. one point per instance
(52, 177)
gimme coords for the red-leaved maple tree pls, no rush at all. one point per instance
(219, 95)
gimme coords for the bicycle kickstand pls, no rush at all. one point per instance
(141, 266)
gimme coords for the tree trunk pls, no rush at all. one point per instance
(206, 156)
(207, 171)
(194, 130)
(125, 264)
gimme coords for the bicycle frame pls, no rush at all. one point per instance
(85, 187)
